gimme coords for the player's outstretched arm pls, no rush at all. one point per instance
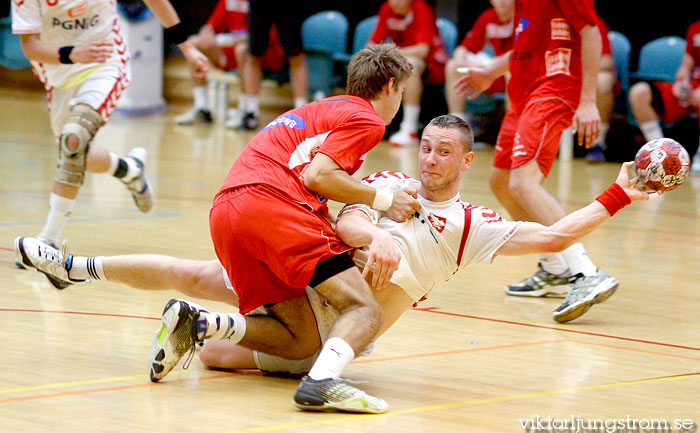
(476, 80)
(355, 229)
(167, 15)
(40, 51)
(535, 238)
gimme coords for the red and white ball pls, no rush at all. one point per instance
(662, 164)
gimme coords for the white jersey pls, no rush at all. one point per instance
(441, 239)
(70, 22)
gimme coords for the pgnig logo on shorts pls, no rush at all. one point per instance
(77, 23)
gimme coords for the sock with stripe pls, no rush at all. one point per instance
(81, 268)
(221, 326)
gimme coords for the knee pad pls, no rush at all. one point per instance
(74, 143)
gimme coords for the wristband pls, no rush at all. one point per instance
(382, 199)
(176, 34)
(64, 55)
(614, 198)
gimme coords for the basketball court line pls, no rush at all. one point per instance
(422, 409)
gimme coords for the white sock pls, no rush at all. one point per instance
(411, 113)
(113, 163)
(553, 263)
(60, 209)
(334, 357)
(651, 130)
(221, 326)
(600, 142)
(299, 101)
(575, 256)
(242, 102)
(253, 104)
(201, 99)
(83, 268)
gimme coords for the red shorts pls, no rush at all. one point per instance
(434, 73)
(273, 60)
(268, 244)
(531, 134)
(672, 110)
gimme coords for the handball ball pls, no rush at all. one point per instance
(662, 164)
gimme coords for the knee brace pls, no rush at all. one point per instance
(74, 143)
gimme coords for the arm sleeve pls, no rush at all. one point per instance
(349, 143)
(476, 37)
(579, 13)
(487, 233)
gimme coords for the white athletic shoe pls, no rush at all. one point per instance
(403, 138)
(585, 291)
(138, 186)
(193, 115)
(337, 395)
(51, 262)
(176, 337)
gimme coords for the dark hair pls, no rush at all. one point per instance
(372, 67)
(450, 121)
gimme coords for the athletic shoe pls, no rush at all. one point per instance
(47, 259)
(585, 291)
(542, 283)
(138, 186)
(595, 154)
(248, 121)
(337, 395)
(176, 337)
(18, 261)
(193, 115)
(403, 138)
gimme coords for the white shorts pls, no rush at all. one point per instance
(100, 90)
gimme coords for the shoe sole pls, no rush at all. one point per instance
(158, 371)
(23, 262)
(334, 407)
(554, 291)
(578, 310)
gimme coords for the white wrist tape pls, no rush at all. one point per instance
(382, 199)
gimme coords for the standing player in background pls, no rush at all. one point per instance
(553, 66)
(78, 52)
(410, 24)
(495, 27)
(606, 90)
(224, 40)
(659, 101)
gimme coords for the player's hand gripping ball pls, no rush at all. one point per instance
(661, 165)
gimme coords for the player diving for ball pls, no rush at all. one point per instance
(403, 262)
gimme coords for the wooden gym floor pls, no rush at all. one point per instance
(470, 359)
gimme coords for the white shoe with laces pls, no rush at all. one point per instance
(403, 138)
(138, 186)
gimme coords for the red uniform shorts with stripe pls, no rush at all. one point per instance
(268, 244)
(669, 108)
(531, 134)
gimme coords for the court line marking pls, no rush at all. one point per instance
(121, 378)
(358, 417)
(437, 310)
(80, 313)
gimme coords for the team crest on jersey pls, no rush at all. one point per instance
(290, 120)
(437, 222)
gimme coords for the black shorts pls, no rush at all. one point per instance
(261, 16)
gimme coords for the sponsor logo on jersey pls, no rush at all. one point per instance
(290, 120)
(560, 29)
(77, 23)
(19, 3)
(490, 216)
(437, 222)
(522, 25)
(558, 61)
(77, 11)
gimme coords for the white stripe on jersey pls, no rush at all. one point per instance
(303, 152)
(430, 243)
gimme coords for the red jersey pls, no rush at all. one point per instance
(546, 57)
(489, 28)
(692, 47)
(417, 27)
(343, 128)
(230, 16)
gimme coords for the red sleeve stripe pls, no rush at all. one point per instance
(465, 232)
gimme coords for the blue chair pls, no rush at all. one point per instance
(660, 59)
(621, 49)
(448, 31)
(325, 37)
(363, 31)
(11, 55)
